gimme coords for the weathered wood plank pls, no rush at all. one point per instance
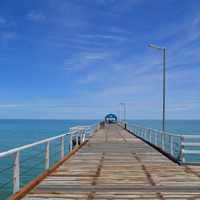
(116, 165)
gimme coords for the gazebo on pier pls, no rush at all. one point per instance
(111, 118)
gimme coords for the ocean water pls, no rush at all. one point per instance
(174, 126)
(14, 133)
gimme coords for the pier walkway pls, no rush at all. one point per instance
(114, 164)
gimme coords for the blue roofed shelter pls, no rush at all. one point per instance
(111, 118)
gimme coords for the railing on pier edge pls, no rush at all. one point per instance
(20, 165)
(185, 149)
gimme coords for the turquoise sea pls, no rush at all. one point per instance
(14, 133)
(174, 126)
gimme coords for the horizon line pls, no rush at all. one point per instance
(91, 119)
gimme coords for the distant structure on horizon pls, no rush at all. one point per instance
(111, 118)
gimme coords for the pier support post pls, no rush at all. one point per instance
(16, 172)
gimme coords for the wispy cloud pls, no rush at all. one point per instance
(98, 50)
(183, 106)
(119, 6)
(89, 78)
(83, 60)
(11, 105)
(36, 16)
(95, 56)
(3, 21)
(115, 37)
(7, 35)
(122, 7)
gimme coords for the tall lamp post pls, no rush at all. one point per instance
(124, 106)
(164, 81)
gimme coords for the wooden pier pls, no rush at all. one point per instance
(114, 164)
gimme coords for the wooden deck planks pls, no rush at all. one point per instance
(116, 165)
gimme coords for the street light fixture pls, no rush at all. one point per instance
(155, 47)
(164, 81)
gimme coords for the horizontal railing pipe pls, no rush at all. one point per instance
(77, 134)
(12, 151)
(173, 144)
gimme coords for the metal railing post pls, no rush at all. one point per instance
(163, 140)
(182, 156)
(179, 146)
(16, 153)
(156, 138)
(70, 142)
(62, 150)
(145, 134)
(47, 155)
(83, 136)
(140, 132)
(171, 145)
(16, 172)
(76, 139)
(150, 136)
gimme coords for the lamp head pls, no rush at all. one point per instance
(155, 47)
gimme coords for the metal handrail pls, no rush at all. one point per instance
(166, 142)
(76, 134)
(12, 151)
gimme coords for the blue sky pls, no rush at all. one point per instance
(81, 58)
